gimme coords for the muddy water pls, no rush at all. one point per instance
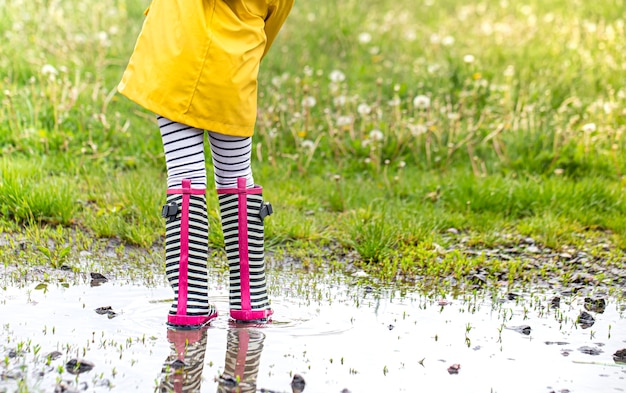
(333, 332)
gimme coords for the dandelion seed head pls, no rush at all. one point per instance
(421, 102)
(308, 71)
(340, 100)
(363, 109)
(418, 129)
(337, 76)
(526, 9)
(387, 162)
(307, 144)
(103, 38)
(433, 68)
(49, 70)
(401, 164)
(365, 38)
(374, 50)
(395, 101)
(589, 127)
(309, 102)
(367, 160)
(435, 39)
(376, 135)
(469, 59)
(447, 40)
(509, 71)
(343, 121)
(410, 35)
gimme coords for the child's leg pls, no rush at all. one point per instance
(186, 239)
(231, 159)
(242, 212)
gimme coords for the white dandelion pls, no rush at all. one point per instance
(365, 38)
(394, 102)
(337, 76)
(376, 135)
(447, 40)
(363, 109)
(340, 100)
(49, 70)
(418, 129)
(589, 127)
(308, 144)
(469, 59)
(343, 121)
(421, 102)
(309, 102)
(509, 71)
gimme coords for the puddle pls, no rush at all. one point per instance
(332, 333)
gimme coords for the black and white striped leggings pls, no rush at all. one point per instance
(184, 156)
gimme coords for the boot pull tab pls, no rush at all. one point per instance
(266, 210)
(170, 211)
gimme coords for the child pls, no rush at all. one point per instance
(195, 65)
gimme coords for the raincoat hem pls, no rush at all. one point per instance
(193, 120)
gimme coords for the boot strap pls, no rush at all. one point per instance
(266, 210)
(170, 211)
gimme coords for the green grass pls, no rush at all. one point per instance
(384, 126)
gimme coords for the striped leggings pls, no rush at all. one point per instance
(184, 156)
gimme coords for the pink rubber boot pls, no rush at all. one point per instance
(242, 212)
(186, 253)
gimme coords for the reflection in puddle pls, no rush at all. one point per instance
(182, 370)
(333, 333)
(243, 358)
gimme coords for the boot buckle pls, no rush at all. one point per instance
(170, 211)
(266, 210)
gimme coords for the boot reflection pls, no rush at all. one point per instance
(243, 357)
(182, 370)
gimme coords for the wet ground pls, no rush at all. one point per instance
(335, 331)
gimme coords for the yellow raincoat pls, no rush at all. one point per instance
(196, 61)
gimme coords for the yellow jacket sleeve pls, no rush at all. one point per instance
(276, 16)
